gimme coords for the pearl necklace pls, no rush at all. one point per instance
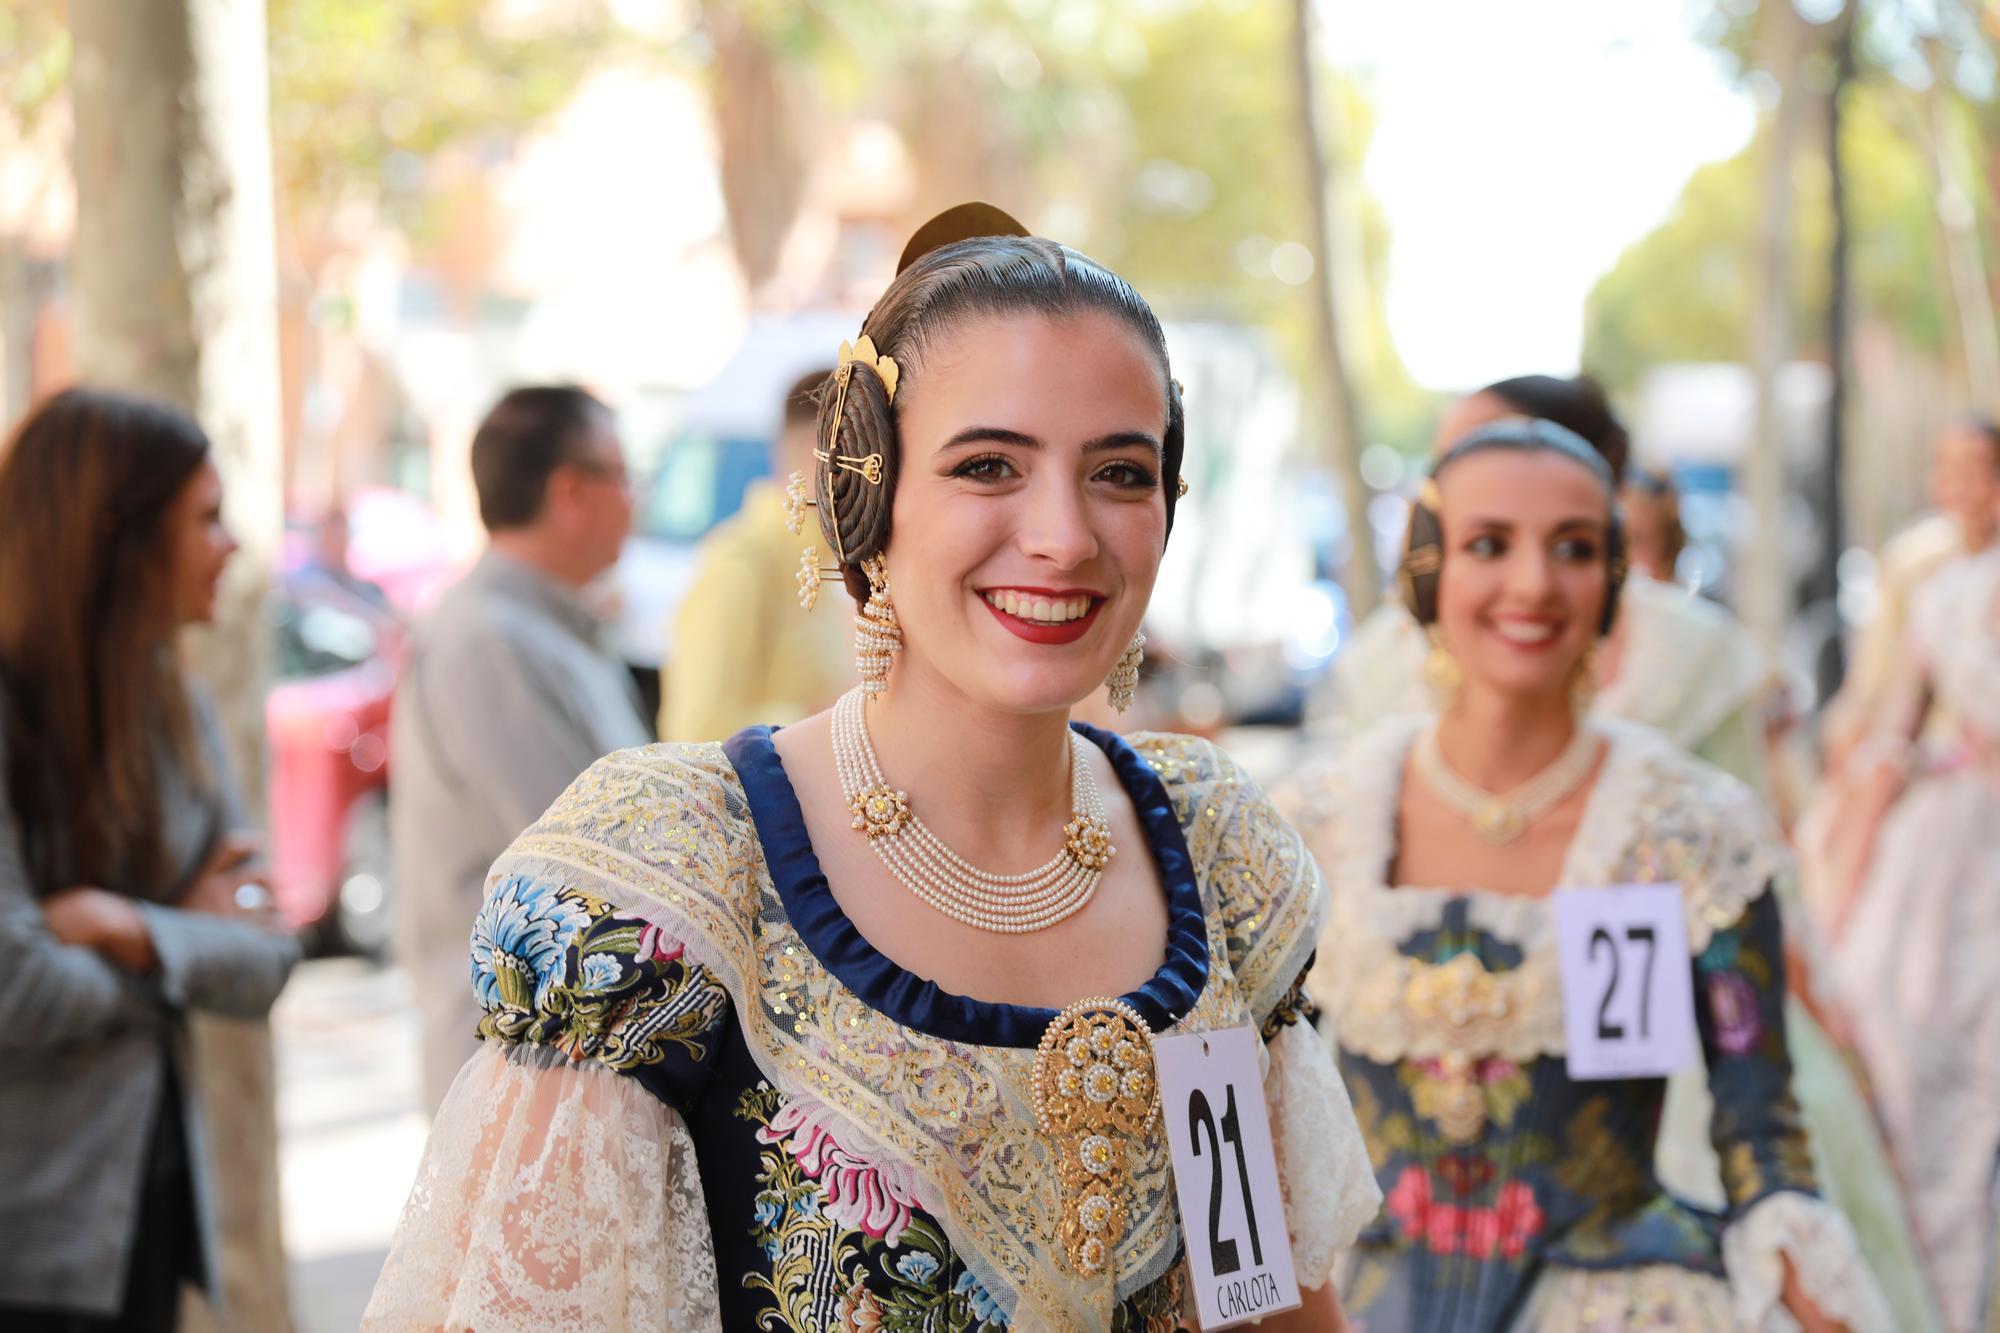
(923, 864)
(1500, 819)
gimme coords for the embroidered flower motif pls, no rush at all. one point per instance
(599, 972)
(859, 1311)
(769, 1208)
(872, 1198)
(1733, 1000)
(518, 941)
(1443, 1228)
(984, 1307)
(1521, 1218)
(917, 1266)
(655, 945)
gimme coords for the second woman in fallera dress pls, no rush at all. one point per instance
(1516, 1195)
(811, 1030)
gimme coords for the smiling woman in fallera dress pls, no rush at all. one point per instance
(1518, 1197)
(772, 1029)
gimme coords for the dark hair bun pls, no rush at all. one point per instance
(856, 476)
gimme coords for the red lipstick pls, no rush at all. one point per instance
(1067, 631)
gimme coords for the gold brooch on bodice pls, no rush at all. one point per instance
(1095, 1094)
(1466, 1007)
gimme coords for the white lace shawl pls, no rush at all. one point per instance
(1654, 813)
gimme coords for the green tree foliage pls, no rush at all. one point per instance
(34, 57)
(363, 92)
(1208, 192)
(1683, 292)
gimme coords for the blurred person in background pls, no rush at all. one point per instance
(1654, 537)
(1916, 927)
(327, 569)
(1965, 490)
(742, 652)
(1674, 661)
(127, 893)
(506, 694)
(1681, 664)
(1518, 1195)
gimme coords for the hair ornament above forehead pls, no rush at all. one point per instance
(1529, 433)
(962, 222)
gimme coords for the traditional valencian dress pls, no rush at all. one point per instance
(1921, 949)
(1689, 670)
(706, 1101)
(1517, 1197)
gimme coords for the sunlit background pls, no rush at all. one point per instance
(684, 203)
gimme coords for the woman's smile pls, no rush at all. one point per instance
(1044, 615)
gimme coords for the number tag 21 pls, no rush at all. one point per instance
(1627, 981)
(1238, 1244)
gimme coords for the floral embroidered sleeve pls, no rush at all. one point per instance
(559, 1189)
(1760, 1138)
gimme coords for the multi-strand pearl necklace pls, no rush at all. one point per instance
(923, 864)
(1500, 819)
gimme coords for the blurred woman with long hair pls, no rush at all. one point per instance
(126, 894)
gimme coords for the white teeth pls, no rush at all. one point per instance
(1523, 632)
(1041, 609)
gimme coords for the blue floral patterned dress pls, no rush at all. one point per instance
(705, 1100)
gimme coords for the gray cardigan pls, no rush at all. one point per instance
(85, 1048)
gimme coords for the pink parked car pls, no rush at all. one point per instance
(343, 604)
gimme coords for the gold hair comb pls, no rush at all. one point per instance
(862, 351)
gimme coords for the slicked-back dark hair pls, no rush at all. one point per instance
(526, 437)
(987, 275)
(1579, 404)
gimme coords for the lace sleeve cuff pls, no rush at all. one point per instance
(1816, 1237)
(1323, 1167)
(552, 1196)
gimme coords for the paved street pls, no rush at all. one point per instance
(349, 1131)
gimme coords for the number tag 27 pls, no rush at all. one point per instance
(1239, 1246)
(1627, 981)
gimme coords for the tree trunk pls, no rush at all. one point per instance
(1361, 577)
(175, 279)
(1823, 584)
(1765, 601)
(763, 163)
(1971, 289)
